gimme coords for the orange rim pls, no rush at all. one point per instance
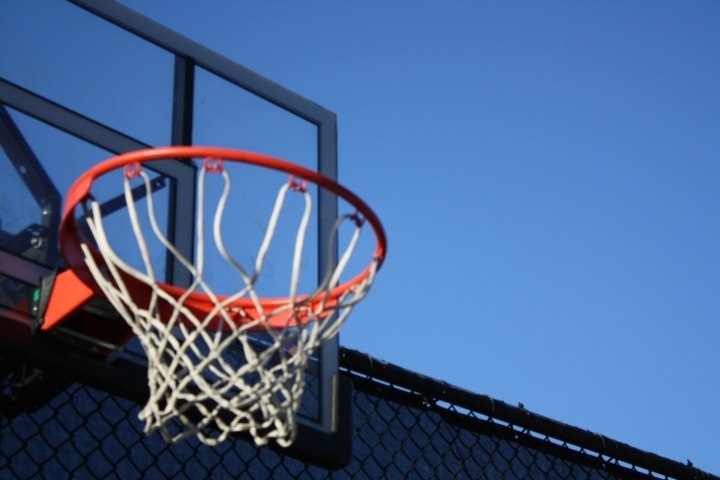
(70, 237)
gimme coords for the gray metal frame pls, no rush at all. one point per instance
(179, 229)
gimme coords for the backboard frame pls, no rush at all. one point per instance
(329, 440)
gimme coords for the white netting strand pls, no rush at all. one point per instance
(208, 373)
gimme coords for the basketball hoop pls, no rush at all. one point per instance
(192, 335)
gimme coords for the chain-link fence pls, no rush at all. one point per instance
(404, 426)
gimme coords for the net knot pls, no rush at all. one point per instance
(132, 170)
(297, 186)
(358, 219)
(213, 165)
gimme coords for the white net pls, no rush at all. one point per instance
(209, 373)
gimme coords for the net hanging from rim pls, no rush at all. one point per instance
(208, 374)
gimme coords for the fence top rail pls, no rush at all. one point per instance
(439, 392)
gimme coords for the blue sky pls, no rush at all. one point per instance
(548, 174)
(549, 177)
